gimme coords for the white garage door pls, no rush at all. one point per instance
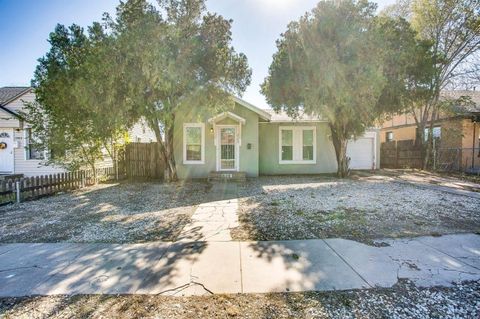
(361, 153)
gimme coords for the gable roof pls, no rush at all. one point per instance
(283, 117)
(262, 113)
(10, 93)
(225, 115)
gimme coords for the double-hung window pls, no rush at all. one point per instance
(194, 143)
(297, 145)
(31, 151)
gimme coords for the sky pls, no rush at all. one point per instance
(26, 24)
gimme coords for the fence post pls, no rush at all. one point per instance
(17, 188)
(396, 155)
(116, 166)
(82, 174)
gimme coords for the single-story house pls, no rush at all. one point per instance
(17, 155)
(247, 140)
(254, 141)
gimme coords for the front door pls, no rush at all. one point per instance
(6, 150)
(227, 151)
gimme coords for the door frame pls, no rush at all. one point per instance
(218, 130)
(11, 131)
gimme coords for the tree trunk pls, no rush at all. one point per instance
(340, 145)
(170, 165)
(427, 147)
(165, 150)
(94, 171)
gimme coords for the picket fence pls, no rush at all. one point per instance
(20, 189)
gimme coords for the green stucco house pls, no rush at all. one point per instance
(250, 141)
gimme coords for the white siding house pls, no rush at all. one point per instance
(16, 157)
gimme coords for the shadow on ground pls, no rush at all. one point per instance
(110, 213)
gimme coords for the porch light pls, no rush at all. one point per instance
(211, 129)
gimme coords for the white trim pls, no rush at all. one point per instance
(25, 143)
(26, 146)
(202, 129)
(11, 140)
(265, 115)
(297, 144)
(225, 115)
(218, 146)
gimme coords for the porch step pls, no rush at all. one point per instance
(227, 176)
(4, 177)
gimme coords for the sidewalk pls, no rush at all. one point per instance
(199, 268)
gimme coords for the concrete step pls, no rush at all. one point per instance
(227, 176)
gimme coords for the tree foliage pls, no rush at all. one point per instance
(148, 62)
(341, 63)
(70, 116)
(187, 62)
(452, 27)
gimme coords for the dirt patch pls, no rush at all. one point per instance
(402, 301)
(275, 208)
(111, 213)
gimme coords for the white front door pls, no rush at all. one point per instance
(227, 148)
(6, 150)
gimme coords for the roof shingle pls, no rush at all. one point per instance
(8, 93)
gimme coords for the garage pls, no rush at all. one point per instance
(362, 152)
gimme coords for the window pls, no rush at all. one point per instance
(32, 152)
(389, 136)
(437, 133)
(287, 145)
(297, 145)
(307, 145)
(193, 143)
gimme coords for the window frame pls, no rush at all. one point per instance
(436, 127)
(202, 141)
(297, 144)
(386, 136)
(27, 135)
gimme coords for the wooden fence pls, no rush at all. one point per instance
(401, 154)
(19, 189)
(142, 161)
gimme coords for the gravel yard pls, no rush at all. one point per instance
(363, 209)
(110, 213)
(402, 301)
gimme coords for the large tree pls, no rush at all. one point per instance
(336, 62)
(149, 62)
(69, 117)
(174, 57)
(453, 29)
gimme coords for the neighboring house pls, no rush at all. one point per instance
(260, 142)
(457, 132)
(19, 157)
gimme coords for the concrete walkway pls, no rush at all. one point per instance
(213, 220)
(199, 268)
